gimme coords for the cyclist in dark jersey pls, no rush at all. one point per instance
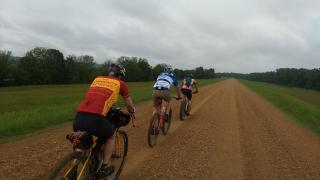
(187, 87)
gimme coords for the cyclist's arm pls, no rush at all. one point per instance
(129, 104)
(176, 84)
(195, 85)
(124, 91)
(178, 91)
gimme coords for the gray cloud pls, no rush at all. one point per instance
(240, 36)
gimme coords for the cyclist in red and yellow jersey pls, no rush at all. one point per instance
(92, 111)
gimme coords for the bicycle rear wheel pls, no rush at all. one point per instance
(183, 110)
(189, 108)
(119, 155)
(166, 125)
(69, 167)
(153, 130)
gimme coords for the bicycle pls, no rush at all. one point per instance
(84, 162)
(157, 123)
(185, 107)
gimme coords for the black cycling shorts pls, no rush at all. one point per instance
(187, 92)
(94, 124)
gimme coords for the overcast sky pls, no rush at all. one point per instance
(229, 35)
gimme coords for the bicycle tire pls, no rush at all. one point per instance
(189, 109)
(182, 110)
(61, 164)
(166, 125)
(152, 134)
(123, 135)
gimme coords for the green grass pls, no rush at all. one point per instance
(25, 109)
(300, 104)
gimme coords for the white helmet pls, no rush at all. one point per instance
(168, 69)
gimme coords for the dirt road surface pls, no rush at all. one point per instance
(231, 134)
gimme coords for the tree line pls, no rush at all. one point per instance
(49, 66)
(292, 77)
(304, 78)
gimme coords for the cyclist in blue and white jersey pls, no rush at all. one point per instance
(162, 87)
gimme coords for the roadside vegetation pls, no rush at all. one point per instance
(300, 104)
(291, 77)
(41, 66)
(24, 109)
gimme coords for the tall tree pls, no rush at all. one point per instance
(145, 69)
(4, 65)
(106, 66)
(29, 71)
(199, 73)
(157, 70)
(86, 67)
(72, 75)
(133, 71)
(55, 66)
(179, 73)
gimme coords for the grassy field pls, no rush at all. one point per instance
(300, 104)
(25, 109)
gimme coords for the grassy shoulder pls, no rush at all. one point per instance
(299, 104)
(25, 109)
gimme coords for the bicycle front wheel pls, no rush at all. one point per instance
(153, 130)
(166, 124)
(70, 167)
(119, 154)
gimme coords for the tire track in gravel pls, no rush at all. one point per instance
(274, 147)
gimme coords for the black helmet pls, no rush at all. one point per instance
(117, 70)
(189, 75)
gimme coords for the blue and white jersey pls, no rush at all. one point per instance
(165, 80)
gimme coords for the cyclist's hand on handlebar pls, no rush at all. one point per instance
(133, 117)
(132, 113)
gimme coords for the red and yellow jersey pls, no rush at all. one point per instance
(102, 95)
